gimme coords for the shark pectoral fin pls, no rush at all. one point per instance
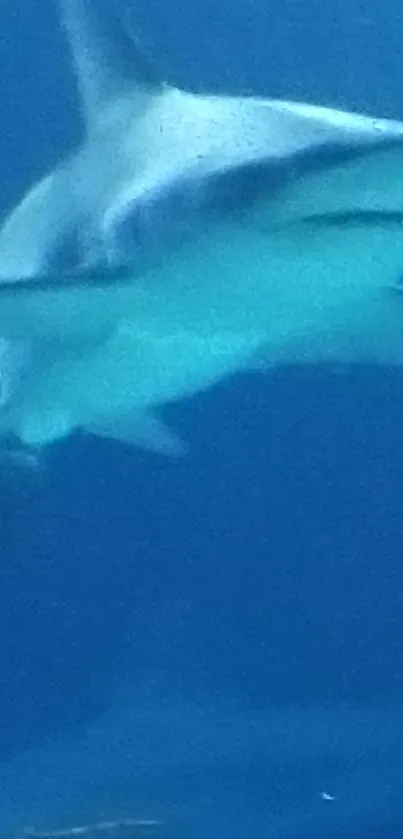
(140, 429)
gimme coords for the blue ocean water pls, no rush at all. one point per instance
(262, 575)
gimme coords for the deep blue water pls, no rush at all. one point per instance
(267, 565)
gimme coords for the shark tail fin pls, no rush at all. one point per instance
(109, 63)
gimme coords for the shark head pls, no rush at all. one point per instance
(190, 237)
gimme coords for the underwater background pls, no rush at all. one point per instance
(262, 571)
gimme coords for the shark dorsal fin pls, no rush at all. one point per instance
(108, 61)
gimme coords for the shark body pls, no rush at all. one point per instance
(188, 238)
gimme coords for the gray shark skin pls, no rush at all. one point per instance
(190, 237)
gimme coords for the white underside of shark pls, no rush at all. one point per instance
(189, 238)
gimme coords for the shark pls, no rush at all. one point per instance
(188, 238)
